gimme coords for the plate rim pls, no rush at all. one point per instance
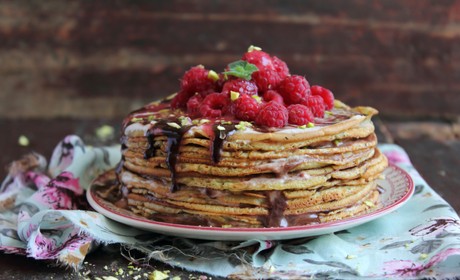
(145, 224)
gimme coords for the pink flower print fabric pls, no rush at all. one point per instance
(29, 190)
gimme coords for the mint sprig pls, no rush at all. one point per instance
(241, 69)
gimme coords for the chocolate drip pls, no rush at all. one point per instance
(150, 152)
(174, 137)
(276, 205)
(217, 139)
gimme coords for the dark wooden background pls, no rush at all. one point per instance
(100, 59)
(72, 66)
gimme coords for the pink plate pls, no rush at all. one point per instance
(397, 187)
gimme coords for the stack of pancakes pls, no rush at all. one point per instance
(228, 173)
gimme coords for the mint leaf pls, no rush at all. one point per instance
(241, 69)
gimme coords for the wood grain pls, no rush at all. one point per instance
(88, 59)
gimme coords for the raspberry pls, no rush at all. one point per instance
(259, 58)
(266, 79)
(299, 114)
(180, 100)
(245, 108)
(294, 89)
(316, 105)
(326, 94)
(273, 95)
(196, 80)
(215, 105)
(272, 114)
(280, 67)
(220, 82)
(241, 86)
(193, 106)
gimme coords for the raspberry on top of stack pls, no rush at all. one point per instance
(257, 89)
(252, 146)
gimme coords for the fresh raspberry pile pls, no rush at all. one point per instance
(258, 89)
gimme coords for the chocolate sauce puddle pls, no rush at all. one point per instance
(174, 137)
(303, 219)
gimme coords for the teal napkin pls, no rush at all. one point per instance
(44, 215)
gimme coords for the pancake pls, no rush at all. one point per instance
(253, 146)
(196, 174)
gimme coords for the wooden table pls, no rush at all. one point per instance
(434, 148)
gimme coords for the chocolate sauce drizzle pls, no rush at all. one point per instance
(217, 139)
(277, 204)
(218, 132)
(174, 137)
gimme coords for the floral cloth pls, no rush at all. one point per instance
(44, 214)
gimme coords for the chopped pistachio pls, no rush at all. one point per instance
(120, 271)
(203, 121)
(173, 124)
(328, 113)
(154, 103)
(105, 132)
(176, 278)
(151, 118)
(196, 121)
(310, 125)
(158, 275)
(349, 257)
(169, 97)
(136, 119)
(302, 126)
(234, 95)
(184, 121)
(257, 98)
(337, 142)
(226, 226)
(212, 75)
(23, 141)
(254, 48)
(219, 127)
(369, 203)
(242, 125)
(164, 111)
(423, 257)
(109, 278)
(225, 122)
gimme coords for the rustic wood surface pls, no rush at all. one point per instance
(100, 59)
